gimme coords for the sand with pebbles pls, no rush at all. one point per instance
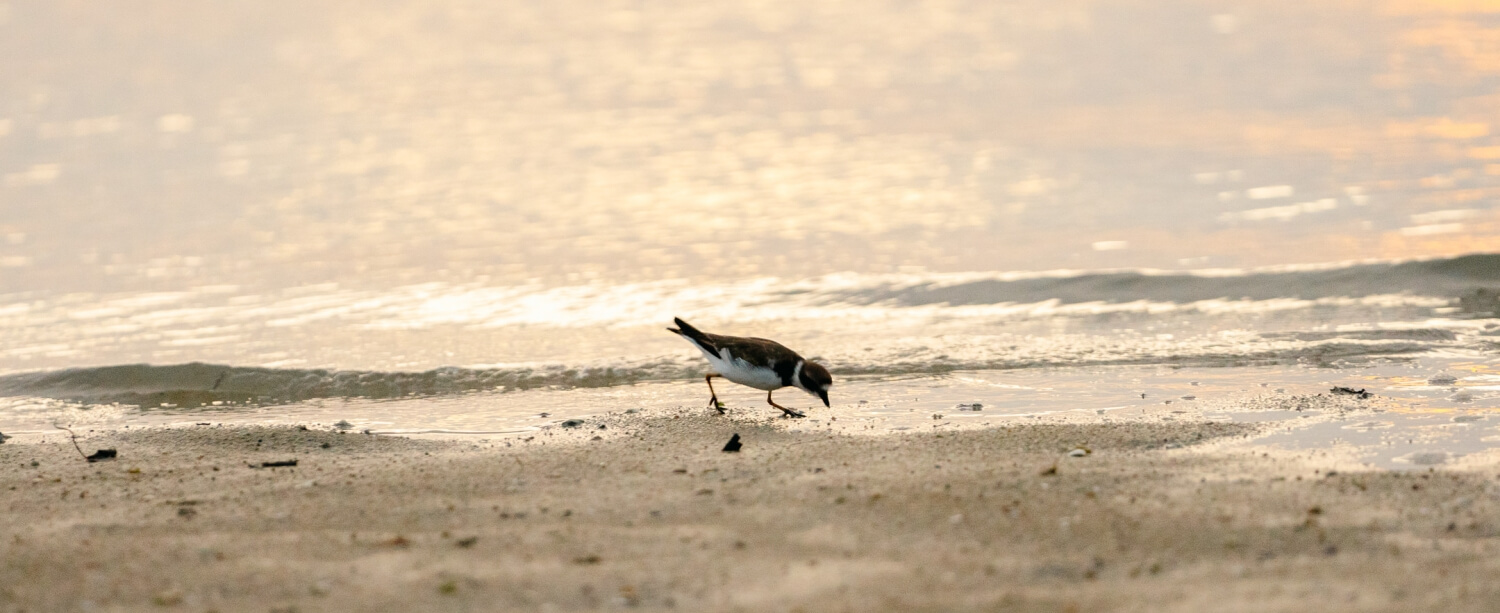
(648, 513)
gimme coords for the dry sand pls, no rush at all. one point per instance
(652, 515)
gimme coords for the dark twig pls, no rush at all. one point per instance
(99, 456)
(74, 438)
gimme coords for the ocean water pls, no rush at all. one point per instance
(476, 218)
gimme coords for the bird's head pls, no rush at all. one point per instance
(815, 380)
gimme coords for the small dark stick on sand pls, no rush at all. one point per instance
(1349, 391)
(99, 456)
(733, 446)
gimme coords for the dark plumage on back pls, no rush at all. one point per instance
(748, 348)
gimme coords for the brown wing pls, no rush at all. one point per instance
(760, 352)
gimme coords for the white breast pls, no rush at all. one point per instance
(741, 372)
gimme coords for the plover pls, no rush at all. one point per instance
(756, 362)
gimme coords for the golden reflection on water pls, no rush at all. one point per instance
(171, 146)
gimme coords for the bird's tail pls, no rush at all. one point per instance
(695, 335)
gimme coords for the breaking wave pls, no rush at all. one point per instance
(1454, 278)
(206, 385)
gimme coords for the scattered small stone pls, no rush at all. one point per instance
(1462, 396)
(1079, 452)
(3, 437)
(342, 425)
(1442, 378)
(587, 560)
(169, 598)
(278, 463)
(467, 541)
(1049, 471)
(632, 411)
(1425, 458)
(1349, 391)
(937, 415)
(544, 415)
(102, 455)
(1189, 397)
(733, 446)
(572, 423)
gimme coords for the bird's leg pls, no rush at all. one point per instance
(713, 398)
(788, 412)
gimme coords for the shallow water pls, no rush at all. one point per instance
(1407, 423)
(454, 216)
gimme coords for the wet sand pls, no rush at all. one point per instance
(1157, 516)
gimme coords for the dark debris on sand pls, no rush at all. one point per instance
(1349, 391)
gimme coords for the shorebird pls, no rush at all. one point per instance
(756, 362)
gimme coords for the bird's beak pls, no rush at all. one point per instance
(824, 396)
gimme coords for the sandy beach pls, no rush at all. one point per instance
(646, 511)
(1183, 305)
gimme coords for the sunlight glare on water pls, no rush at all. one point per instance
(467, 200)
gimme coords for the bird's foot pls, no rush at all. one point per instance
(791, 412)
(714, 404)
